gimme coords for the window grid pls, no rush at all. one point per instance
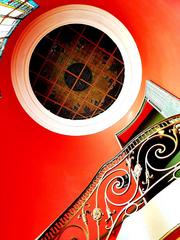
(111, 69)
(78, 76)
(12, 10)
(64, 64)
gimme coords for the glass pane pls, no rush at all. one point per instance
(4, 28)
(5, 10)
(15, 13)
(3, 34)
(8, 21)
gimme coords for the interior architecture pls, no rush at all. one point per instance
(90, 119)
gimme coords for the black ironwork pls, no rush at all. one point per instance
(122, 185)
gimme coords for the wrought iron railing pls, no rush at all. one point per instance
(122, 185)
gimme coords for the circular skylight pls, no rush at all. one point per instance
(76, 71)
(80, 83)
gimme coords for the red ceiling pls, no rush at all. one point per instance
(41, 171)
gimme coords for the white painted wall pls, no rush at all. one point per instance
(160, 215)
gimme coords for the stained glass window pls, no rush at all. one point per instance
(11, 14)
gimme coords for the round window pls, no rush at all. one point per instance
(76, 70)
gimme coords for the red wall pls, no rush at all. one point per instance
(42, 172)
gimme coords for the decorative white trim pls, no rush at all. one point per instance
(164, 102)
(80, 14)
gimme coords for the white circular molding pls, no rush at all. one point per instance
(79, 14)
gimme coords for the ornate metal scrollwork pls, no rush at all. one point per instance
(123, 185)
